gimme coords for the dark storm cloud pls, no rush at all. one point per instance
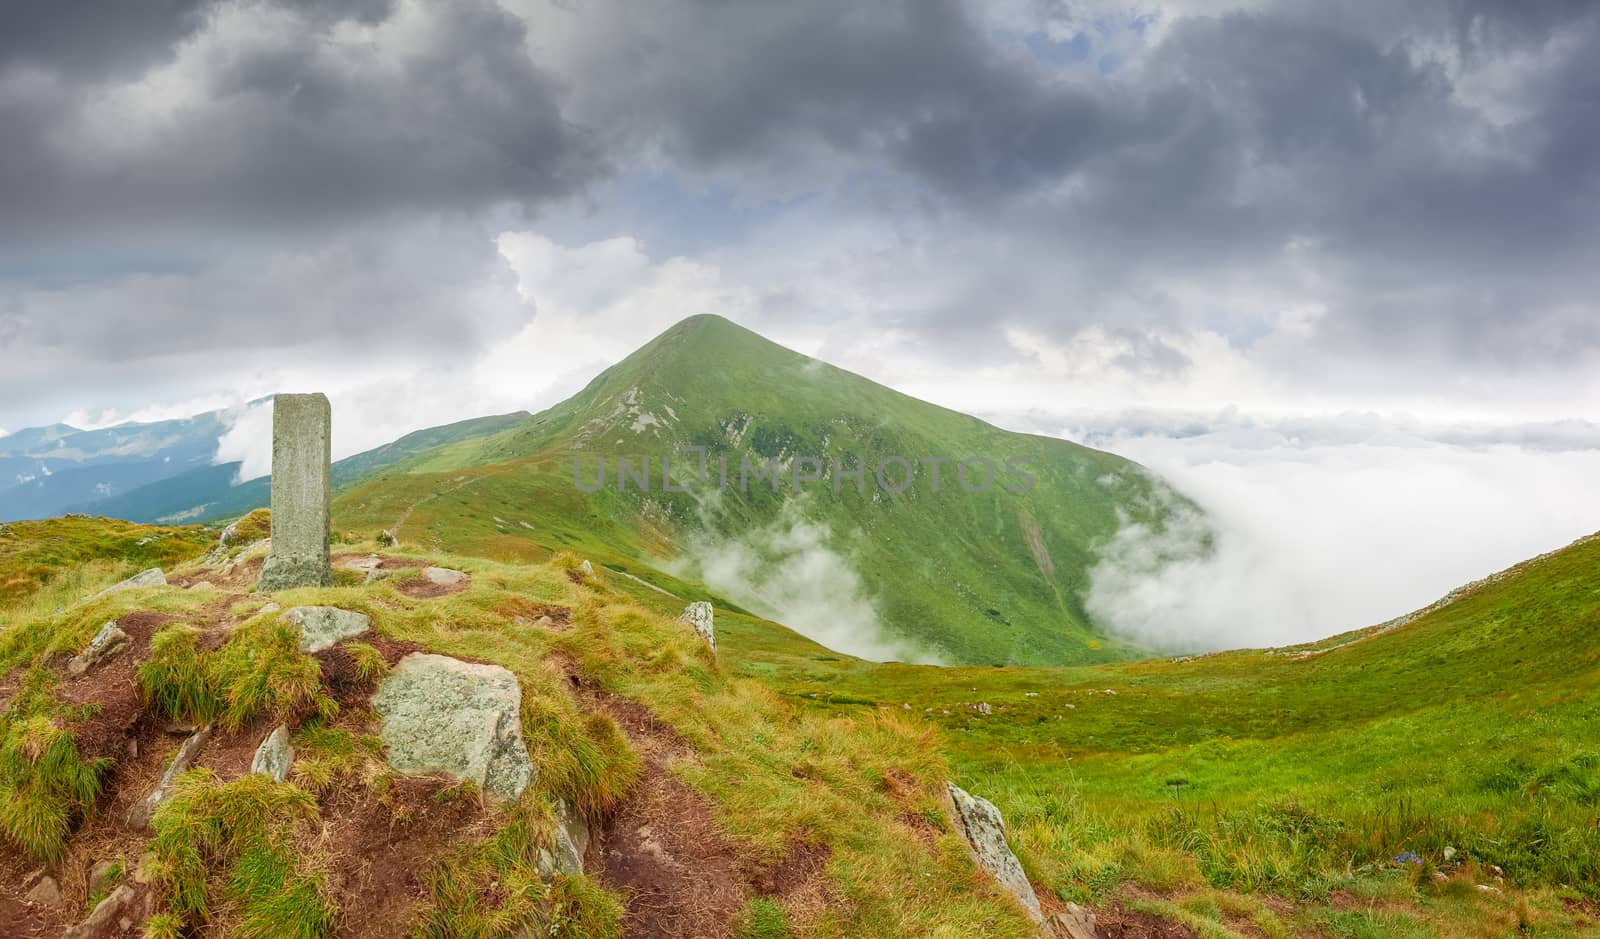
(274, 114)
(1433, 164)
(93, 38)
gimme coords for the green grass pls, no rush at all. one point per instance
(762, 918)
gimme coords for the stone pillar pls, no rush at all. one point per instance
(301, 432)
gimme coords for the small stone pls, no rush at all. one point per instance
(544, 622)
(1449, 853)
(985, 708)
(271, 606)
(202, 585)
(106, 643)
(443, 576)
(587, 568)
(699, 615)
(104, 875)
(387, 539)
(142, 811)
(46, 892)
(321, 627)
(274, 756)
(1074, 922)
(572, 840)
(115, 914)
(150, 578)
(373, 576)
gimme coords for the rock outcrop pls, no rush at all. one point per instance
(322, 627)
(142, 811)
(150, 578)
(275, 755)
(106, 643)
(444, 715)
(699, 615)
(980, 822)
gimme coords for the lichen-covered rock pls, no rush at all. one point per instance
(150, 578)
(321, 627)
(444, 715)
(274, 756)
(140, 814)
(106, 643)
(699, 615)
(980, 822)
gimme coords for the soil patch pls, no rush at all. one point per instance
(1118, 923)
(242, 576)
(381, 863)
(528, 613)
(421, 588)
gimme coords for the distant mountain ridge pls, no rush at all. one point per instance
(162, 471)
(210, 492)
(45, 471)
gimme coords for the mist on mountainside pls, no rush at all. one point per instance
(1315, 533)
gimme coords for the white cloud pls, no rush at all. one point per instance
(788, 571)
(1326, 526)
(594, 304)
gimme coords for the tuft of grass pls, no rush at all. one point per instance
(326, 756)
(370, 665)
(259, 670)
(762, 918)
(45, 785)
(232, 847)
(252, 527)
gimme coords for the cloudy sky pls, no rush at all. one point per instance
(1318, 237)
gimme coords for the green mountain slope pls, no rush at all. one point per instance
(960, 576)
(208, 492)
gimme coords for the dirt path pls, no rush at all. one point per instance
(661, 849)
